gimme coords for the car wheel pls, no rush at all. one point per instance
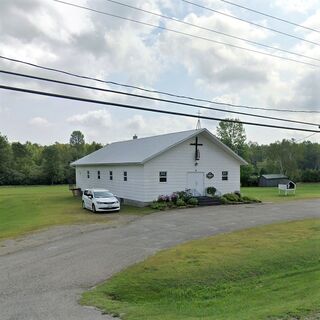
(94, 208)
(83, 205)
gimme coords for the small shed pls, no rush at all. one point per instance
(272, 180)
(290, 187)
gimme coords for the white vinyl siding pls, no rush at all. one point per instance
(130, 189)
(180, 160)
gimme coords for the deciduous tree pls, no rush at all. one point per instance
(233, 135)
(5, 156)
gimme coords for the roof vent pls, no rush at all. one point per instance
(135, 137)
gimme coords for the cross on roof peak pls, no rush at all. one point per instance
(198, 126)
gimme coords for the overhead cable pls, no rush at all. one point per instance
(187, 34)
(307, 137)
(249, 22)
(270, 16)
(153, 91)
(212, 30)
(133, 107)
(153, 98)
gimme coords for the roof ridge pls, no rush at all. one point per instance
(142, 150)
(158, 135)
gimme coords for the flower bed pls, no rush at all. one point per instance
(177, 199)
(185, 199)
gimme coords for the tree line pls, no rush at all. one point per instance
(300, 162)
(30, 163)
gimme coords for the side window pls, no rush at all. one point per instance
(88, 174)
(125, 176)
(163, 176)
(85, 192)
(110, 175)
(224, 175)
(98, 174)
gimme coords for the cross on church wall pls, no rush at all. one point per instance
(197, 151)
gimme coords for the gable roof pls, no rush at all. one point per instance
(274, 176)
(139, 151)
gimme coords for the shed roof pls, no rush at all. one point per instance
(274, 176)
(139, 151)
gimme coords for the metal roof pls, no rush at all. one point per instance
(274, 176)
(139, 151)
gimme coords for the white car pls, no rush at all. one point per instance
(99, 200)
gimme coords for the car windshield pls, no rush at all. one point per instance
(102, 194)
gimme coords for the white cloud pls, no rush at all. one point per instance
(300, 6)
(39, 122)
(3, 109)
(310, 49)
(98, 125)
(92, 119)
(146, 126)
(215, 64)
(46, 35)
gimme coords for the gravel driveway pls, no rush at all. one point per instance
(45, 279)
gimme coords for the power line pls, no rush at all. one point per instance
(153, 98)
(211, 30)
(270, 16)
(250, 22)
(187, 34)
(311, 135)
(127, 106)
(153, 91)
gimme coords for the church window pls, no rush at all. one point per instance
(224, 175)
(163, 176)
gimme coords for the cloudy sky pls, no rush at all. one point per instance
(59, 36)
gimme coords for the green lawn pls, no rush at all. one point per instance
(270, 272)
(25, 209)
(304, 191)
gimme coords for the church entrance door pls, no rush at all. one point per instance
(195, 182)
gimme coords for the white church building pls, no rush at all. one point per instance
(139, 170)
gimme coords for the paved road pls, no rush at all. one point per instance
(45, 281)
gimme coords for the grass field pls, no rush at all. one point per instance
(25, 209)
(270, 272)
(304, 191)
